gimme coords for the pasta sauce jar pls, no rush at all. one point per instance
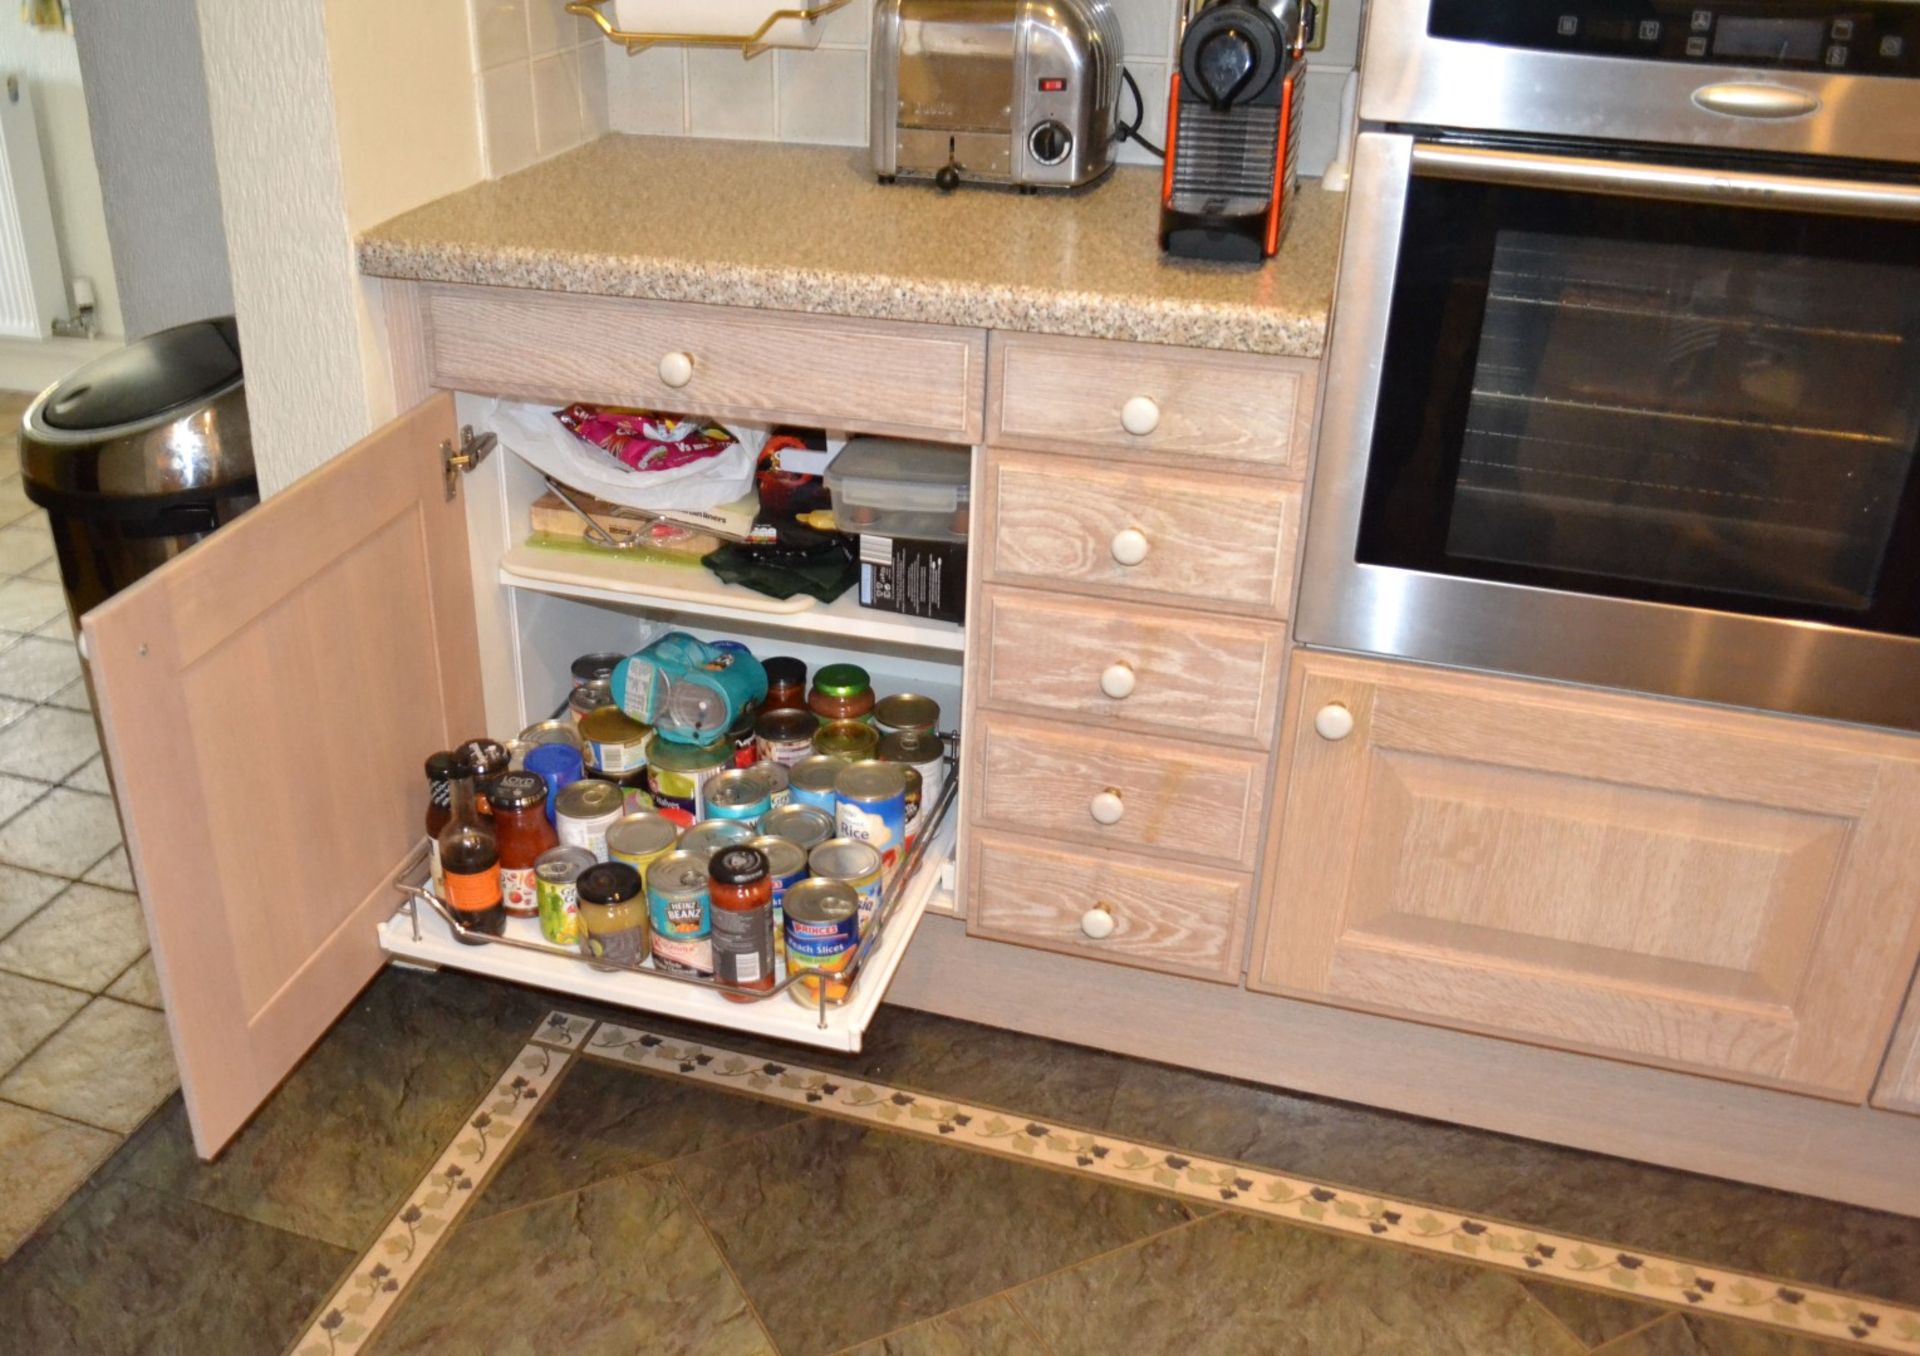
(841, 692)
(521, 829)
(740, 888)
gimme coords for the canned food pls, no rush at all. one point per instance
(906, 711)
(640, 839)
(616, 742)
(921, 750)
(855, 865)
(746, 749)
(854, 740)
(613, 913)
(595, 668)
(552, 732)
(584, 811)
(779, 783)
(588, 698)
(710, 835)
(822, 937)
(871, 806)
(556, 883)
(676, 773)
(633, 789)
(812, 779)
(680, 911)
(787, 865)
(915, 803)
(785, 736)
(737, 793)
(805, 826)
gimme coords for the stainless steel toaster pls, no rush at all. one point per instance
(994, 91)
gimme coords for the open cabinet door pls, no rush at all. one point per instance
(267, 700)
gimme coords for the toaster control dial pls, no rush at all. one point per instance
(1050, 143)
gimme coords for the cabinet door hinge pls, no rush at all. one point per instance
(473, 450)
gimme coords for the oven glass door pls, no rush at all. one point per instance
(1675, 402)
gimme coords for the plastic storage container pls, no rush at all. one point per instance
(893, 487)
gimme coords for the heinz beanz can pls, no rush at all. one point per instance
(681, 913)
(855, 865)
(556, 878)
(822, 936)
(740, 794)
(811, 780)
(640, 839)
(871, 805)
(787, 864)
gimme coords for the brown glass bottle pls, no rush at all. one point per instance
(439, 810)
(470, 863)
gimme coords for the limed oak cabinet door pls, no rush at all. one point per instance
(1698, 889)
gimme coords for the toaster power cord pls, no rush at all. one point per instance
(1130, 131)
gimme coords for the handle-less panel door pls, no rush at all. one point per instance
(267, 700)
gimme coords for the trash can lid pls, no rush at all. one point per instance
(149, 378)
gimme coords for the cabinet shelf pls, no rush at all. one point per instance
(692, 591)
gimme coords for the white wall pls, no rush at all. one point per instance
(49, 62)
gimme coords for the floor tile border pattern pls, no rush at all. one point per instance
(377, 1280)
(1587, 1263)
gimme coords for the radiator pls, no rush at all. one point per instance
(33, 293)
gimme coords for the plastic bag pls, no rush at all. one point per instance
(532, 433)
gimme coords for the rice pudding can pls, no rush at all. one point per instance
(787, 865)
(812, 779)
(556, 878)
(680, 911)
(802, 824)
(855, 865)
(640, 839)
(584, 811)
(711, 835)
(870, 804)
(738, 793)
(822, 937)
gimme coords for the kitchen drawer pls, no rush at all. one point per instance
(1187, 920)
(1214, 678)
(1170, 796)
(1217, 540)
(1235, 407)
(770, 366)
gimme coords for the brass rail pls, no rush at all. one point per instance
(750, 44)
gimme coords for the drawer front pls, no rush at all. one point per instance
(1212, 678)
(1227, 540)
(1169, 797)
(1238, 407)
(1187, 920)
(764, 365)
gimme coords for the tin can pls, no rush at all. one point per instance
(779, 783)
(855, 865)
(787, 864)
(633, 789)
(677, 772)
(614, 913)
(711, 835)
(923, 751)
(805, 826)
(737, 793)
(616, 742)
(552, 732)
(915, 804)
(556, 885)
(584, 811)
(906, 711)
(640, 839)
(595, 668)
(812, 779)
(822, 937)
(854, 740)
(681, 914)
(588, 698)
(746, 749)
(870, 804)
(785, 736)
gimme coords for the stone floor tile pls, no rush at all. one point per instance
(91, 776)
(9, 457)
(1591, 1316)
(43, 1160)
(139, 984)
(34, 669)
(14, 504)
(894, 1229)
(605, 1121)
(991, 1326)
(31, 1011)
(23, 547)
(47, 570)
(84, 939)
(64, 833)
(73, 697)
(48, 744)
(23, 892)
(620, 1268)
(57, 628)
(109, 1066)
(125, 1271)
(112, 871)
(1693, 1335)
(29, 604)
(1235, 1283)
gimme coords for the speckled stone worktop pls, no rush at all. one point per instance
(801, 228)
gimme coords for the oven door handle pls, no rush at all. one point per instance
(1667, 183)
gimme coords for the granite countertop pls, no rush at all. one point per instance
(803, 228)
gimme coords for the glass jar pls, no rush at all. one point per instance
(613, 911)
(470, 863)
(440, 769)
(852, 740)
(740, 888)
(521, 829)
(786, 684)
(841, 692)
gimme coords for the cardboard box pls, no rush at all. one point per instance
(914, 578)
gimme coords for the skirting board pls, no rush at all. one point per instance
(1702, 1125)
(35, 364)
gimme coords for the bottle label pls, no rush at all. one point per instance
(519, 891)
(474, 893)
(742, 944)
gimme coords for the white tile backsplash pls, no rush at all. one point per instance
(556, 102)
(728, 95)
(541, 74)
(822, 97)
(647, 92)
(499, 31)
(506, 118)
(1151, 76)
(550, 28)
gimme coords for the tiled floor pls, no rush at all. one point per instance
(83, 1046)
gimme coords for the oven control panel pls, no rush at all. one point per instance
(1840, 38)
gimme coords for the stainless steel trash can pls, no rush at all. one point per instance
(140, 454)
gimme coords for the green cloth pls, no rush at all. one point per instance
(824, 573)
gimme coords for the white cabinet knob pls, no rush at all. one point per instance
(1129, 546)
(676, 369)
(1333, 721)
(1140, 416)
(1107, 807)
(1116, 680)
(1098, 922)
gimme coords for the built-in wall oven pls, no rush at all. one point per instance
(1624, 379)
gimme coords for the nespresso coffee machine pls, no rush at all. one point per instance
(1233, 129)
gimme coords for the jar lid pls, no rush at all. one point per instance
(589, 667)
(609, 883)
(783, 670)
(517, 791)
(486, 757)
(907, 711)
(842, 680)
(738, 866)
(441, 767)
